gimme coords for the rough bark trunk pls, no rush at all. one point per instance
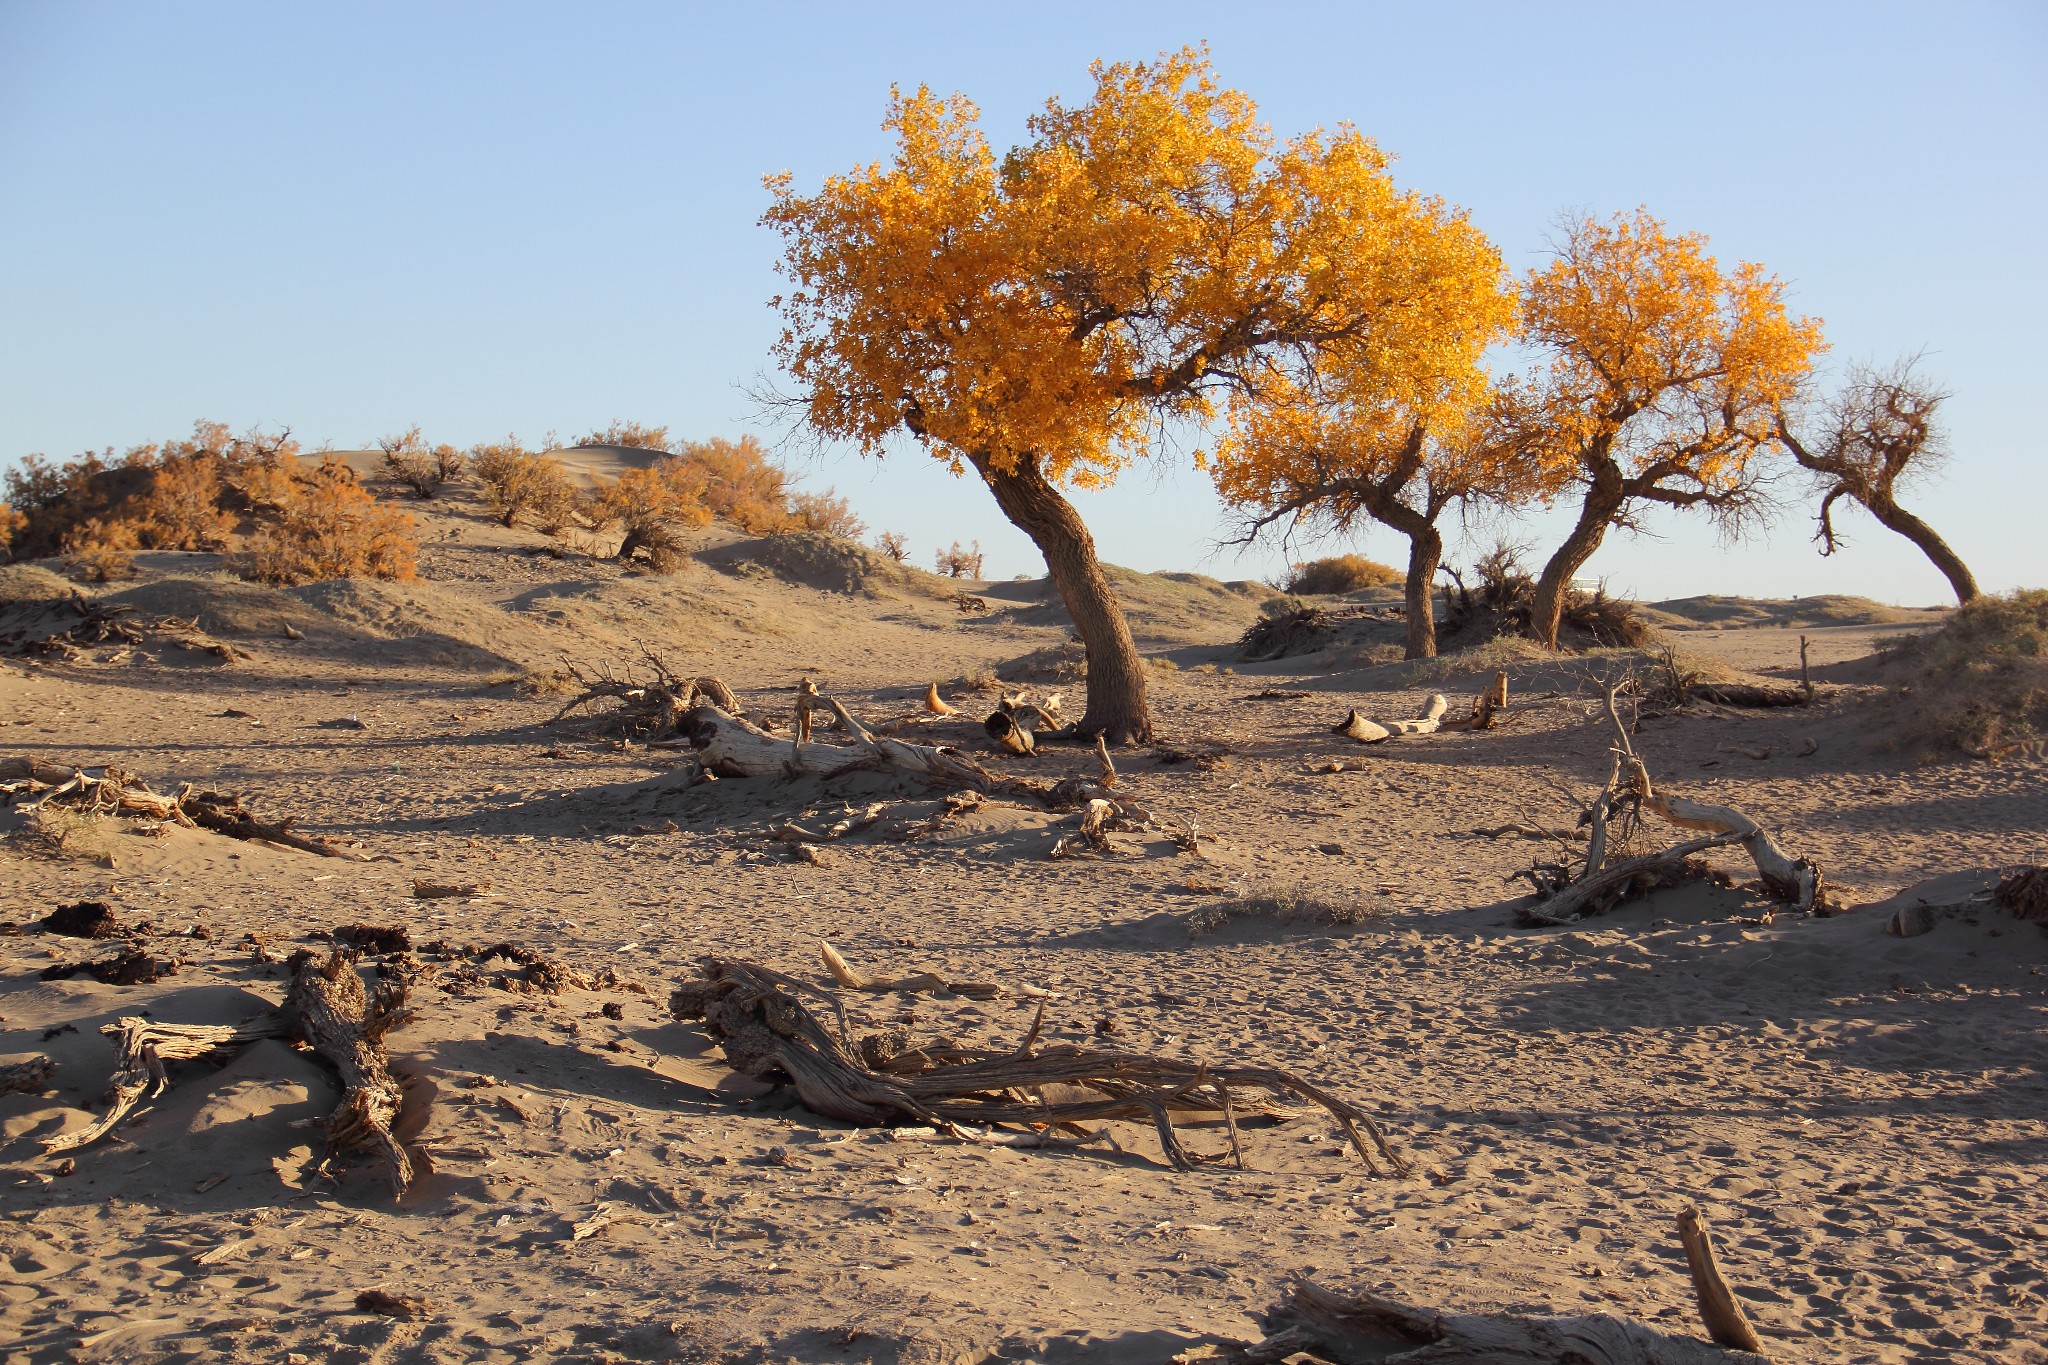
(1896, 518)
(1116, 675)
(1425, 553)
(1546, 612)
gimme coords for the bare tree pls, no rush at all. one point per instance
(1880, 431)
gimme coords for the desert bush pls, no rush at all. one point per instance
(630, 434)
(409, 461)
(100, 551)
(520, 485)
(1286, 626)
(649, 509)
(894, 544)
(743, 485)
(1980, 682)
(323, 524)
(56, 497)
(1286, 903)
(827, 513)
(1340, 573)
(12, 524)
(955, 562)
(1504, 599)
(183, 509)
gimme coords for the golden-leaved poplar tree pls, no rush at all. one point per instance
(1325, 439)
(1659, 382)
(1039, 318)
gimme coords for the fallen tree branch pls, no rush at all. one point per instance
(1355, 726)
(765, 1031)
(917, 983)
(142, 1047)
(346, 1025)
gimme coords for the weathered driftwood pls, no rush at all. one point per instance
(1355, 726)
(917, 983)
(732, 747)
(1628, 793)
(1361, 1326)
(227, 815)
(142, 1046)
(766, 1031)
(1487, 708)
(30, 1077)
(649, 708)
(1018, 725)
(1726, 1323)
(1093, 833)
(345, 1024)
(111, 791)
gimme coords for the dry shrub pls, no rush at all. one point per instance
(629, 434)
(1340, 573)
(12, 524)
(99, 551)
(183, 509)
(894, 544)
(324, 524)
(742, 485)
(1285, 627)
(649, 509)
(1504, 599)
(955, 562)
(521, 485)
(1293, 904)
(826, 513)
(1980, 682)
(409, 461)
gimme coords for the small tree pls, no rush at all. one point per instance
(1663, 378)
(1879, 431)
(521, 485)
(649, 509)
(955, 562)
(894, 544)
(826, 513)
(409, 462)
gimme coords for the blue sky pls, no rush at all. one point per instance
(502, 217)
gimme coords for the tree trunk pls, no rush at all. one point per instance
(1546, 612)
(1896, 518)
(1116, 675)
(1425, 553)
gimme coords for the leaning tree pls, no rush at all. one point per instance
(1043, 319)
(1658, 382)
(1879, 431)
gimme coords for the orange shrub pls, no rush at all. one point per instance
(628, 434)
(649, 508)
(327, 525)
(520, 484)
(955, 562)
(12, 524)
(100, 551)
(1340, 573)
(182, 510)
(828, 513)
(742, 484)
(894, 544)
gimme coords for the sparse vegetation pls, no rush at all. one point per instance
(1337, 574)
(1292, 904)
(894, 544)
(409, 461)
(520, 485)
(955, 562)
(1980, 682)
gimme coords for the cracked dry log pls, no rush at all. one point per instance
(1358, 1327)
(142, 1047)
(1355, 726)
(346, 1025)
(732, 747)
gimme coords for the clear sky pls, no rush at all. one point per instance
(483, 218)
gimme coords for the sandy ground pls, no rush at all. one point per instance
(1862, 1119)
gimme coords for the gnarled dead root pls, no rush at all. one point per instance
(143, 1046)
(767, 1032)
(346, 1024)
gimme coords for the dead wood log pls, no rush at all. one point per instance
(1726, 1323)
(765, 1031)
(346, 1024)
(1355, 726)
(1361, 1326)
(227, 815)
(647, 708)
(1750, 694)
(2024, 891)
(917, 983)
(1092, 834)
(31, 1077)
(142, 1047)
(1010, 731)
(1629, 789)
(948, 767)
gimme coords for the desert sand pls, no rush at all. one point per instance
(1861, 1118)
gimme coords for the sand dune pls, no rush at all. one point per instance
(1862, 1118)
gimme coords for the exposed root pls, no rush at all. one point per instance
(346, 1024)
(142, 1047)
